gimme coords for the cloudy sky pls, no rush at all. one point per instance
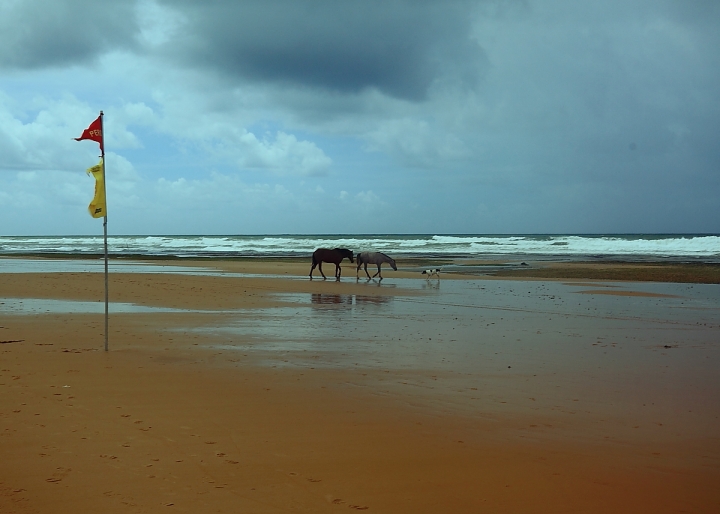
(362, 116)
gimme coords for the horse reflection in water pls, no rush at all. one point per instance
(331, 299)
(365, 258)
(346, 299)
(336, 255)
(373, 300)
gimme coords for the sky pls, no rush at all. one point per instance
(362, 116)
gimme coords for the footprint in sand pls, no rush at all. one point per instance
(59, 475)
(338, 501)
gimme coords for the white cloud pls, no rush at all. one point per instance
(38, 191)
(131, 113)
(283, 153)
(368, 197)
(41, 135)
(44, 141)
(219, 191)
(414, 142)
(158, 23)
(373, 208)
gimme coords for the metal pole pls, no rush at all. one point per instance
(106, 279)
(105, 230)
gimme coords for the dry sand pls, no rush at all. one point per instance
(239, 409)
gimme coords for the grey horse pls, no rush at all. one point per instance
(365, 258)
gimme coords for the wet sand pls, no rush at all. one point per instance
(258, 390)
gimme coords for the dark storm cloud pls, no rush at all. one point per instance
(41, 33)
(399, 47)
(695, 11)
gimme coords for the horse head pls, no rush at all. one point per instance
(392, 263)
(345, 253)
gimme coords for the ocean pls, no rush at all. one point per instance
(674, 247)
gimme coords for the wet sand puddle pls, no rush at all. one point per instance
(36, 306)
(481, 345)
(87, 266)
(98, 266)
(484, 345)
(542, 393)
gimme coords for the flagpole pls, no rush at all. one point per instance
(102, 155)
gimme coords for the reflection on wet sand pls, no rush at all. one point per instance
(479, 396)
(35, 306)
(513, 340)
(331, 299)
(375, 282)
(431, 284)
(373, 300)
(346, 299)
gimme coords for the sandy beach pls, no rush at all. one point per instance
(243, 386)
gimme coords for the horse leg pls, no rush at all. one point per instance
(338, 271)
(366, 271)
(321, 271)
(378, 271)
(312, 269)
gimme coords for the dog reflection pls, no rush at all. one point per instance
(431, 284)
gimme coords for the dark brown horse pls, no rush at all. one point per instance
(336, 255)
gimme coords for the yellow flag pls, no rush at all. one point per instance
(97, 207)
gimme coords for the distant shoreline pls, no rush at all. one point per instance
(505, 267)
(564, 248)
(429, 256)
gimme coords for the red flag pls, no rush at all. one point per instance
(94, 132)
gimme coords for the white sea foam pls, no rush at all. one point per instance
(651, 246)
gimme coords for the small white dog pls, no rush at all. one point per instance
(431, 272)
